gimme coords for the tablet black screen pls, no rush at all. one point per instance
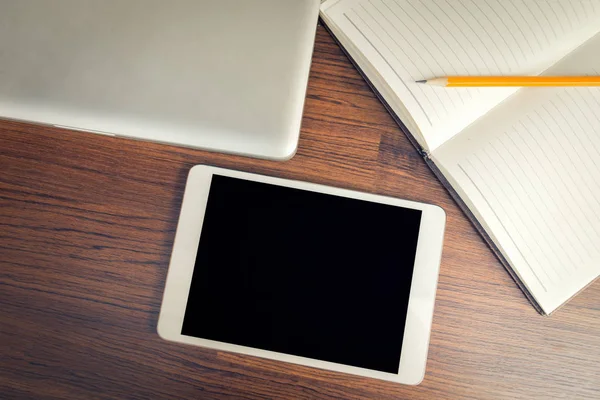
(303, 273)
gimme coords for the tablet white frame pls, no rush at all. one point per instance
(422, 293)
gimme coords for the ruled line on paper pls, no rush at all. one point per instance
(580, 113)
(503, 226)
(436, 109)
(514, 23)
(506, 29)
(413, 71)
(409, 40)
(531, 255)
(449, 47)
(512, 211)
(575, 159)
(579, 109)
(534, 179)
(449, 66)
(448, 95)
(558, 20)
(392, 68)
(518, 187)
(483, 33)
(556, 174)
(564, 12)
(458, 43)
(559, 175)
(534, 16)
(532, 39)
(547, 213)
(430, 45)
(593, 107)
(426, 48)
(437, 93)
(548, 23)
(564, 179)
(541, 180)
(573, 4)
(444, 37)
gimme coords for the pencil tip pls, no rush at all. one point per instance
(423, 81)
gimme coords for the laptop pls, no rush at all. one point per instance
(222, 75)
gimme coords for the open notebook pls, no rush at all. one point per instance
(523, 163)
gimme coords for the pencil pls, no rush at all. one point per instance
(505, 81)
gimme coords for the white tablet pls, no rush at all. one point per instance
(304, 273)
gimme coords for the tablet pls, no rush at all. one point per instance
(304, 273)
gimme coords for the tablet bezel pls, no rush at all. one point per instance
(417, 330)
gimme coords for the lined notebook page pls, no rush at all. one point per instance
(408, 40)
(534, 180)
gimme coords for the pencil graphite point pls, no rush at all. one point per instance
(435, 81)
(422, 81)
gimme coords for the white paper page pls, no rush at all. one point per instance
(384, 90)
(409, 40)
(530, 171)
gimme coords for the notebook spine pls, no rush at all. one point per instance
(429, 161)
(404, 129)
(488, 240)
(424, 153)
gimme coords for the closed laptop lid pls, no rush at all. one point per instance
(226, 75)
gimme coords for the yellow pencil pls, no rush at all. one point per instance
(504, 81)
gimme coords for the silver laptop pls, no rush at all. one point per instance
(224, 75)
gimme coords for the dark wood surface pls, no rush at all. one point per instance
(86, 227)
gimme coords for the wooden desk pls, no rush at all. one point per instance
(86, 227)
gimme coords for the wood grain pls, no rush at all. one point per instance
(86, 227)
